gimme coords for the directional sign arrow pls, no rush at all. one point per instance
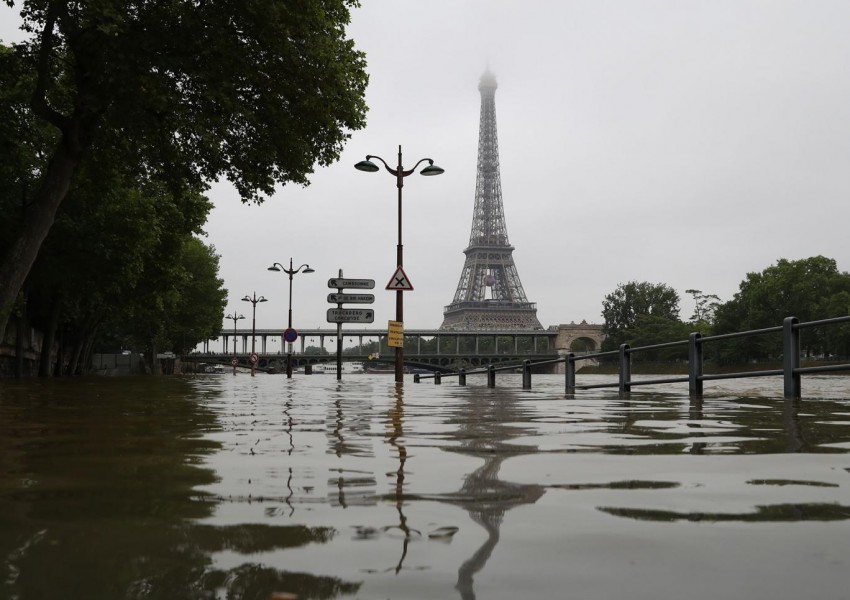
(351, 315)
(339, 282)
(351, 298)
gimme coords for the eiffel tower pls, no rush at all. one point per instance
(489, 294)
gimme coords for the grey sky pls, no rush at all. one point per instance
(676, 142)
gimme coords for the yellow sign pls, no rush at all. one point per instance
(395, 334)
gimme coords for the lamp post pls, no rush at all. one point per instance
(234, 317)
(399, 173)
(290, 271)
(253, 300)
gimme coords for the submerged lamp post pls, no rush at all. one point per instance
(399, 173)
(234, 317)
(290, 271)
(253, 300)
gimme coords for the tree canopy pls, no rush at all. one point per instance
(636, 303)
(182, 93)
(810, 289)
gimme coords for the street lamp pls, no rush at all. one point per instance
(253, 300)
(279, 267)
(400, 173)
(234, 317)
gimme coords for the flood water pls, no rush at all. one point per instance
(234, 487)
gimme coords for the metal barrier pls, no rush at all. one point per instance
(791, 370)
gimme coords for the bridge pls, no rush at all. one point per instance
(431, 349)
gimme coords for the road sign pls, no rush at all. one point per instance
(351, 315)
(395, 334)
(351, 298)
(339, 283)
(290, 335)
(253, 358)
(234, 361)
(399, 282)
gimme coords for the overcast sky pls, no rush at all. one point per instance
(677, 142)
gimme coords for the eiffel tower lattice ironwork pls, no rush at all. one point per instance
(489, 294)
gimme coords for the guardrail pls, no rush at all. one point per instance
(791, 370)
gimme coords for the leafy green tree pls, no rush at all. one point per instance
(257, 91)
(200, 310)
(705, 307)
(622, 308)
(650, 330)
(809, 289)
(315, 351)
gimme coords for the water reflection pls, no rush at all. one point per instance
(98, 497)
(487, 421)
(347, 424)
(395, 437)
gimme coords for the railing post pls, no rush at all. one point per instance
(695, 363)
(526, 374)
(625, 369)
(791, 357)
(491, 376)
(416, 378)
(438, 378)
(461, 377)
(570, 373)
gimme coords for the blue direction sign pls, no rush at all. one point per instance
(363, 284)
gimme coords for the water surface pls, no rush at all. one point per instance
(240, 487)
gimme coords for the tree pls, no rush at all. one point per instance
(257, 91)
(623, 307)
(705, 307)
(809, 289)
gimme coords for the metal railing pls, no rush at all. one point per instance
(791, 371)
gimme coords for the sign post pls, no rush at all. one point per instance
(340, 314)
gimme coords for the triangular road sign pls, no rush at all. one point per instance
(399, 282)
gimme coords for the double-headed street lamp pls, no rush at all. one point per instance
(234, 317)
(290, 271)
(400, 173)
(253, 300)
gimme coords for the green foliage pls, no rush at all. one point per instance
(705, 307)
(809, 289)
(623, 308)
(258, 91)
(174, 94)
(315, 351)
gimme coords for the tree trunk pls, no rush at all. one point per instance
(18, 261)
(19, 344)
(45, 365)
(155, 366)
(60, 354)
(89, 344)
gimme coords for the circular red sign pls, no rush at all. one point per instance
(290, 335)
(234, 361)
(254, 358)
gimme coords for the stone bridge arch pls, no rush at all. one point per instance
(579, 338)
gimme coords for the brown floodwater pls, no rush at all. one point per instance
(233, 487)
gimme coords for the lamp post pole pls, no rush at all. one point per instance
(290, 271)
(399, 173)
(253, 300)
(234, 317)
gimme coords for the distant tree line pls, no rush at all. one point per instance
(644, 314)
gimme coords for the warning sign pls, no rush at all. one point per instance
(399, 282)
